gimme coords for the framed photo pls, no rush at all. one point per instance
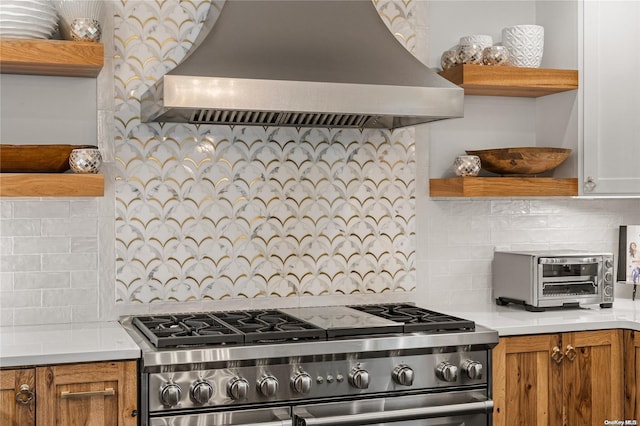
(629, 254)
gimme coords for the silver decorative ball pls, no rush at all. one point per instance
(85, 160)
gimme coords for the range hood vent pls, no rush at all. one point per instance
(288, 119)
(300, 63)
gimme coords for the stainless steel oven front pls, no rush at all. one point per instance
(461, 408)
(396, 376)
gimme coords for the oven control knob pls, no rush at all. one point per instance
(447, 372)
(359, 378)
(301, 382)
(170, 394)
(403, 375)
(473, 369)
(268, 385)
(201, 391)
(238, 388)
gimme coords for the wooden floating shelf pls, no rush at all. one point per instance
(511, 81)
(503, 187)
(51, 185)
(51, 57)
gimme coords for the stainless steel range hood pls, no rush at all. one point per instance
(326, 63)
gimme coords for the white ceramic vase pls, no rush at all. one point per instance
(525, 44)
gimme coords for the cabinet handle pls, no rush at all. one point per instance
(557, 355)
(106, 392)
(571, 353)
(25, 395)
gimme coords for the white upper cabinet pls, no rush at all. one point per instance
(611, 98)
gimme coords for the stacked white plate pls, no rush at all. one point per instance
(27, 19)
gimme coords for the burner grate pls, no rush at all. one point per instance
(186, 329)
(417, 319)
(271, 326)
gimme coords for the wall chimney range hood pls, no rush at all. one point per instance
(301, 63)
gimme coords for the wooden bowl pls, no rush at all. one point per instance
(521, 161)
(36, 158)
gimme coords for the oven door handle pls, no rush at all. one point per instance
(400, 415)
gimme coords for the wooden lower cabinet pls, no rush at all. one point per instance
(632, 375)
(17, 397)
(92, 394)
(567, 379)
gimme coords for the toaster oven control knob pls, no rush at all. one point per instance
(201, 391)
(268, 385)
(473, 369)
(359, 378)
(403, 375)
(301, 382)
(238, 388)
(608, 263)
(608, 277)
(170, 394)
(447, 372)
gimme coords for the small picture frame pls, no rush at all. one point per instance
(629, 256)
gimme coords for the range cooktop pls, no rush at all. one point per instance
(252, 327)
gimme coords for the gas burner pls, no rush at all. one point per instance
(223, 328)
(186, 330)
(271, 326)
(416, 319)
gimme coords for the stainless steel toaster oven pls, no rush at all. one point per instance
(547, 279)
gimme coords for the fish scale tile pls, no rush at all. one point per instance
(219, 212)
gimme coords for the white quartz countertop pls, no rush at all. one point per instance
(514, 320)
(65, 343)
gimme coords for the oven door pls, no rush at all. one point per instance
(464, 408)
(257, 417)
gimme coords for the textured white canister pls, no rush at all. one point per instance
(525, 44)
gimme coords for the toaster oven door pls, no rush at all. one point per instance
(568, 280)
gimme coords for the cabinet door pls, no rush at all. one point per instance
(611, 100)
(632, 374)
(593, 377)
(100, 394)
(12, 411)
(526, 381)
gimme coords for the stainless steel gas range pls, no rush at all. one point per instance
(385, 364)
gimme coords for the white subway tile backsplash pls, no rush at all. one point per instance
(42, 315)
(20, 263)
(84, 279)
(41, 280)
(27, 245)
(6, 209)
(19, 227)
(6, 245)
(70, 297)
(70, 227)
(39, 209)
(84, 313)
(69, 262)
(21, 299)
(510, 207)
(6, 281)
(83, 208)
(84, 245)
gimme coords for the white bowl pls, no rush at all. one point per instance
(525, 44)
(481, 40)
(27, 19)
